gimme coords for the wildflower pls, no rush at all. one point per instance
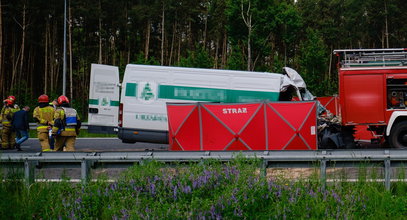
(152, 189)
(213, 211)
(175, 193)
(186, 189)
(125, 214)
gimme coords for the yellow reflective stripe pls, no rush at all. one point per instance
(42, 127)
(46, 150)
(70, 129)
(6, 122)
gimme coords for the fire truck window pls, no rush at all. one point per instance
(396, 93)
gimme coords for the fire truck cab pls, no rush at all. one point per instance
(373, 91)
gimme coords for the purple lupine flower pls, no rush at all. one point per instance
(337, 198)
(213, 211)
(312, 193)
(73, 215)
(238, 212)
(195, 184)
(278, 193)
(175, 193)
(125, 214)
(152, 189)
(186, 189)
(78, 200)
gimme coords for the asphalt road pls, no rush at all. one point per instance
(98, 145)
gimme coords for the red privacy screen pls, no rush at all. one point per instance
(249, 126)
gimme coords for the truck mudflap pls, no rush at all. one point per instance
(131, 135)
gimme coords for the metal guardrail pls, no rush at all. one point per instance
(288, 159)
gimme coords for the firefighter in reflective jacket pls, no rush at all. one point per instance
(44, 115)
(6, 116)
(66, 125)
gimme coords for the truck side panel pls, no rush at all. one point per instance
(147, 89)
(362, 98)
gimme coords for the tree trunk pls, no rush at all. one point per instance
(386, 25)
(216, 53)
(70, 50)
(147, 44)
(1, 49)
(162, 35)
(24, 27)
(46, 56)
(248, 21)
(100, 32)
(224, 50)
(179, 50)
(174, 32)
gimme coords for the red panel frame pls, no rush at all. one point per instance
(258, 126)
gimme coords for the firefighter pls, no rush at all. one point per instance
(44, 115)
(66, 125)
(8, 134)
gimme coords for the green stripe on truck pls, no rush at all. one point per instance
(214, 95)
(96, 102)
(114, 103)
(131, 89)
(93, 102)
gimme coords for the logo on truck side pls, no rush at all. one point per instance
(147, 92)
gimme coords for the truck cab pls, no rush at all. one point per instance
(373, 91)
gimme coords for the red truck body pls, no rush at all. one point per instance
(365, 95)
(373, 91)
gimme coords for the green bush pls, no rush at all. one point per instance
(210, 190)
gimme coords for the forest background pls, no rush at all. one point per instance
(255, 35)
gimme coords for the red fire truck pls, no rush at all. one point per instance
(373, 92)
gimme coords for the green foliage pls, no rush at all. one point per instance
(210, 190)
(313, 64)
(198, 58)
(121, 32)
(236, 60)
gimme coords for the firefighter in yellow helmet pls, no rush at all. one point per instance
(66, 125)
(6, 116)
(44, 115)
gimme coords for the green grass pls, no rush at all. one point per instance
(211, 190)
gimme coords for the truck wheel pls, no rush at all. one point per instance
(398, 135)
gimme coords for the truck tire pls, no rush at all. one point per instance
(398, 135)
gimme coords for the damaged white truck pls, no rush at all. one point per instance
(138, 112)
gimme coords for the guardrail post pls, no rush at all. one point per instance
(323, 173)
(263, 168)
(85, 170)
(29, 171)
(387, 173)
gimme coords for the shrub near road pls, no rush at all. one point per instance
(211, 191)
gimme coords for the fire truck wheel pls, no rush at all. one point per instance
(398, 135)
